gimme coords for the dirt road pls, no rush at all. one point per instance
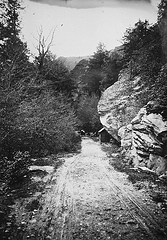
(90, 200)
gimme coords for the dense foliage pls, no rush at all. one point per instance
(112, 67)
(142, 47)
(102, 71)
(94, 74)
(55, 75)
(36, 114)
(144, 58)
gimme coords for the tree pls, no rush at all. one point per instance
(142, 47)
(144, 57)
(13, 65)
(112, 67)
(162, 23)
(56, 75)
(102, 70)
(134, 39)
(50, 72)
(43, 48)
(13, 52)
(10, 24)
(94, 74)
(99, 58)
(14, 74)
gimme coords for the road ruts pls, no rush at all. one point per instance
(89, 200)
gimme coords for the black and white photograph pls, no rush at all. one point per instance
(83, 119)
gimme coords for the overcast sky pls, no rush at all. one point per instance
(81, 24)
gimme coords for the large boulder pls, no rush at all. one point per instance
(118, 104)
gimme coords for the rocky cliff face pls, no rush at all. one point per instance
(145, 139)
(118, 104)
(143, 133)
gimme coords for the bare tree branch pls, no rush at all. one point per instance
(44, 46)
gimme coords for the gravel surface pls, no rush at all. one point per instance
(86, 198)
(91, 200)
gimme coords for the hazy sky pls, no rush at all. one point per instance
(81, 24)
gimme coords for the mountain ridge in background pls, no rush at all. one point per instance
(71, 62)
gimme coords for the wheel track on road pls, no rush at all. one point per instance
(143, 217)
(66, 206)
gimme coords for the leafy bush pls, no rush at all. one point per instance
(44, 125)
(34, 127)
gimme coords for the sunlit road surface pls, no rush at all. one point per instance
(90, 200)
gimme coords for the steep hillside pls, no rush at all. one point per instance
(79, 70)
(71, 62)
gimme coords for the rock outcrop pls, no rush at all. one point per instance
(118, 104)
(142, 133)
(149, 137)
(145, 139)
